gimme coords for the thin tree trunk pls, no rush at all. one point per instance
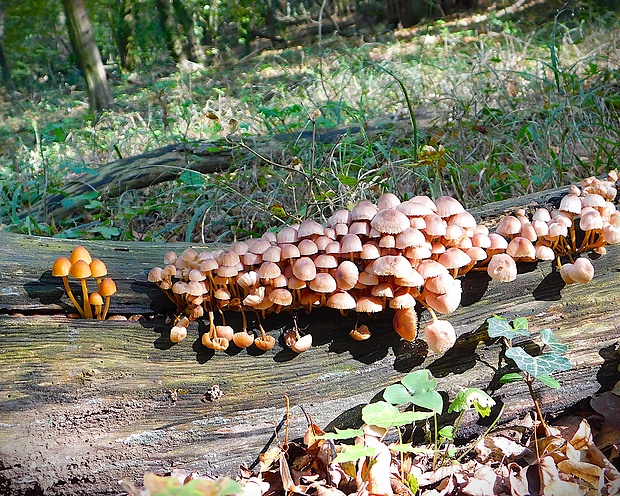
(193, 49)
(4, 66)
(168, 27)
(87, 53)
(125, 35)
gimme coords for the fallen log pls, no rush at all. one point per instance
(86, 403)
(207, 157)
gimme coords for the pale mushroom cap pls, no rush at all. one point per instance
(544, 252)
(502, 267)
(369, 304)
(435, 225)
(179, 287)
(387, 241)
(498, 242)
(447, 302)
(364, 210)
(341, 300)
(268, 270)
(346, 275)
(325, 261)
(590, 221)
(289, 251)
(521, 248)
(341, 216)
(464, 220)
(368, 279)
(370, 251)
(323, 283)
(410, 237)
(454, 258)
(281, 296)
(259, 246)
(383, 290)
(571, 203)
(239, 247)
(528, 231)
(414, 209)
(476, 253)
(302, 344)
(440, 336)
(286, 235)
(272, 254)
(448, 206)
(440, 284)
(390, 221)
(402, 300)
(309, 227)
(359, 227)
(196, 275)
(304, 269)
(322, 242)
(593, 200)
(248, 279)
(170, 257)
(225, 271)
(388, 200)
(431, 268)
(582, 271)
(350, 243)
(228, 258)
(412, 280)
(425, 200)
(196, 288)
(189, 255)
(155, 274)
(391, 265)
(611, 234)
(509, 226)
(178, 334)
(307, 247)
(333, 248)
(208, 265)
(542, 214)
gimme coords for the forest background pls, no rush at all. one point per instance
(316, 104)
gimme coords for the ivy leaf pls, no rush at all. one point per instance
(384, 415)
(500, 327)
(353, 453)
(511, 377)
(547, 337)
(472, 397)
(397, 394)
(342, 434)
(447, 432)
(545, 364)
(549, 381)
(423, 390)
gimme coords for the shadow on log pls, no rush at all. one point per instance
(86, 403)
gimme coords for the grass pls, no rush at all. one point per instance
(521, 106)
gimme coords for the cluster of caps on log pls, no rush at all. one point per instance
(81, 266)
(395, 254)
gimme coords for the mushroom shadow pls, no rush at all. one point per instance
(462, 356)
(609, 372)
(475, 285)
(49, 290)
(549, 288)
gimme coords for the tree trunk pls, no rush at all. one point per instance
(125, 35)
(4, 66)
(168, 27)
(87, 53)
(193, 50)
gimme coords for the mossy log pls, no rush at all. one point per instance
(86, 403)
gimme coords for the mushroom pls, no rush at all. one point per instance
(440, 335)
(96, 300)
(405, 323)
(81, 270)
(107, 287)
(62, 268)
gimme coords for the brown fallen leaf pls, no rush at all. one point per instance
(608, 405)
(498, 448)
(482, 482)
(550, 482)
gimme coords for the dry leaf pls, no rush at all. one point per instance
(498, 448)
(550, 482)
(482, 483)
(374, 474)
(608, 405)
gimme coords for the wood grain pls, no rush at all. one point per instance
(86, 403)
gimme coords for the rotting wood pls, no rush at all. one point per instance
(86, 403)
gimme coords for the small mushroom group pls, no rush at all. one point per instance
(398, 254)
(81, 266)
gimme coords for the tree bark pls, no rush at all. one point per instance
(4, 66)
(168, 27)
(88, 56)
(193, 50)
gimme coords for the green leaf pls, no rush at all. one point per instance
(408, 448)
(412, 483)
(500, 327)
(545, 364)
(547, 337)
(472, 397)
(447, 432)
(549, 381)
(342, 434)
(354, 453)
(511, 377)
(423, 390)
(397, 394)
(107, 232)
(384, 415)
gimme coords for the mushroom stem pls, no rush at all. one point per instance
(245, 320)
(65, 281)
(106, 307)
(87, 310)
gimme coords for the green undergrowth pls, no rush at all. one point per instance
(517, 105)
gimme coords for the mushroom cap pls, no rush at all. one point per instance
(80, 269)
(178, 334)
(383, 290)
(405, 323)
(289, 251)
(369, 304)
(307, 247)
(62, 267)
(448, 206)
(591, 220)
(268, 270)
(463, 219)
(431, 268)
(425, 200)
(435, 225)
(390, 221)
(248, 280)
(272, 254)
(322, 241)
(259, 246)
(286, 235)
(196, 275)
(440, 284)
(571, 203)
(509, 226)
(411, 280)
(388, 200)
(611, 234)
(324, 261)
(498, 242)
(170, 257)
(95, 299)
(410, 237)
(189, 254)
(265, 344)
(80, 253)
(243, 339)
(521, 248)
(228, 258)
(367, 279)
(107, 287)
(304, 343)
(304, 269)
(544, 252)
(346, 275)
(364, 210)
(360, 333)
(98, 268)
(593, 200)
(341, 300)
(359, 227)
(402, 299)
(502, 267)
(447, 302)
(239, 247)
(341, 216)
(210, 264)
(582, 271)
(440, 335)
(370, 251)
(155, 274)
(542, 214)
(392, 265)
(226, 271)
(454, 258)
(179, 287)
(333, 248)
(350, 243)
(323, 283)
(281, 296)
(414, 209)
(196, 288)
(309, 227)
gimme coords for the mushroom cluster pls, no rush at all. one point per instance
(396, 254)
(81, 266)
